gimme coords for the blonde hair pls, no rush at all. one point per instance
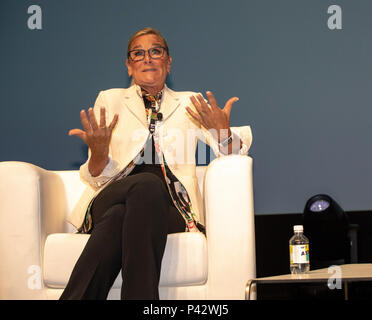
(144, 32)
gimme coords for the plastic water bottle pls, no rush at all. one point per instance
(299, 251)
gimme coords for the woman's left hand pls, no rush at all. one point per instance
(211, 116)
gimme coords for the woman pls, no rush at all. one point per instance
(141, 173)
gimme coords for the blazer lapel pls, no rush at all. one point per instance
(170, 103)
(135, 105)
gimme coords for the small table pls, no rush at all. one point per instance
(334, 276)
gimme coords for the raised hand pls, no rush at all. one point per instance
(211, 116)
(97, 137)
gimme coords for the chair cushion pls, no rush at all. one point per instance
(184, 261)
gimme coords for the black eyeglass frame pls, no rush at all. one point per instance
(148, 52)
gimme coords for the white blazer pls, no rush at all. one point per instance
(178, 134)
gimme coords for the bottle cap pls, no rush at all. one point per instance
(298, 228)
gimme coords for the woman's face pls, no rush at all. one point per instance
(149, 73)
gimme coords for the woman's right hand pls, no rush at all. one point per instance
(96, 137)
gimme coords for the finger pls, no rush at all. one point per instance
(92, 119)
(114, 122)
(204, 105)
(206, 111)
(195, 116)
(85, 122)
(102, 120)
(77, 132)
(212, 99)
(197, 105)
(229, 104)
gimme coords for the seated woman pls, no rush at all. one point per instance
(141, 172)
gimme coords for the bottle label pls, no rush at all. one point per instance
(299, 253)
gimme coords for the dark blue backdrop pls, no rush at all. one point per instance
(304, 89)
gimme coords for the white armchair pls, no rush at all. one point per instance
(38, 248)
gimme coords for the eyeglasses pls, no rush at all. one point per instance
(154, 53)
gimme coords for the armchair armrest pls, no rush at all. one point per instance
(31, 207)
(229, 209)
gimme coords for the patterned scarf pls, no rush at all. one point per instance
(177, 191)
(152, 105)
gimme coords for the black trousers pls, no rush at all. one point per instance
(131, 220)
